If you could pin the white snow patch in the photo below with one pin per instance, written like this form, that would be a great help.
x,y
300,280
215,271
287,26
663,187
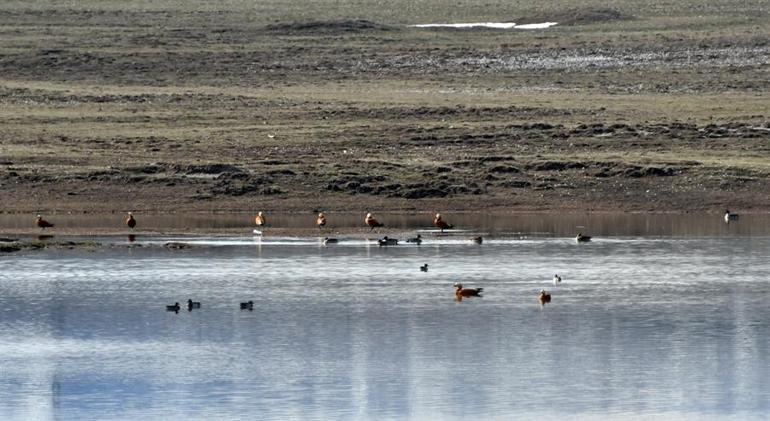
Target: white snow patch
x,y
494,25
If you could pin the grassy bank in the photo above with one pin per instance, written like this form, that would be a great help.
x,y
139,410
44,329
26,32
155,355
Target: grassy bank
x,y
190,106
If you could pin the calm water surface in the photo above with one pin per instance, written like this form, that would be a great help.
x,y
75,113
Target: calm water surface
x,y
676,327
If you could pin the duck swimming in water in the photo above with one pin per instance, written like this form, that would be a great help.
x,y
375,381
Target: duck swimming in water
x,y
477,240
174,308
730,216
544,297
328,240
580,238
415,240
192,304
556,279
424,267
467,292
385,241
248,305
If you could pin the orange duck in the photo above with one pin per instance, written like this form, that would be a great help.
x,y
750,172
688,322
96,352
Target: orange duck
x,y
440,224
42,223
260,220
467,292
371,222
544,297
321,220
130,221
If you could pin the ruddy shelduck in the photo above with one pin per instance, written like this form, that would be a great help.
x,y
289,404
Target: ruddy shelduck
x,y
260,219
544,297
440,224
371,222
130,221
321,220
42,223
467,292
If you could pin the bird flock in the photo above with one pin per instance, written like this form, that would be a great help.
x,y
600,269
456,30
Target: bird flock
x,y
260,220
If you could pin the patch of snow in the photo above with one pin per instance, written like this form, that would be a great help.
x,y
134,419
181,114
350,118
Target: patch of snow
x,y
537,25
493,25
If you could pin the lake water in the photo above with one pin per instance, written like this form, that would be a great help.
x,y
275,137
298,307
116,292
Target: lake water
x,y
641,327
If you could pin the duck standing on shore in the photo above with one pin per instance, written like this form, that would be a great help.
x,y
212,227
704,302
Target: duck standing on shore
x,y
371,222
42,223
440,224
260,219
321,221
130,221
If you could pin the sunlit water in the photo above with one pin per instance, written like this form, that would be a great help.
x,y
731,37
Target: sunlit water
x,y
677,327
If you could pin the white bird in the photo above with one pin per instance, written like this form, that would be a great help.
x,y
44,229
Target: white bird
x,y
556,279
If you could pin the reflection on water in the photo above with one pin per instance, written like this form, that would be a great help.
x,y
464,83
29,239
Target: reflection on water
x,y
638,326
614,224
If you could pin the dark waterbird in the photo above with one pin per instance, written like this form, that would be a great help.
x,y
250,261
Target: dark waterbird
x,y
424,267
248,305
174,308
192,304
415,240
580,238
385,241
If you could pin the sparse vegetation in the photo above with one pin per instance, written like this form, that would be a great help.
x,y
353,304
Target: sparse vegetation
x,y
340,105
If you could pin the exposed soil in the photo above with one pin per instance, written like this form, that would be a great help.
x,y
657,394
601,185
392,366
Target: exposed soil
x,y
354,114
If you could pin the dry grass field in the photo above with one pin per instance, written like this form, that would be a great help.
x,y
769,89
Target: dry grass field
x,y
341,105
